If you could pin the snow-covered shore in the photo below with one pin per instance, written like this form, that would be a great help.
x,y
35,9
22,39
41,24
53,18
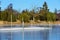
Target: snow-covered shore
x,y
25,29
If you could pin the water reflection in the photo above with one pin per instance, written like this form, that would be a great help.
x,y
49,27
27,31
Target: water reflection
x,y
5,26
36,35
11,36
53,34
28,35
5,36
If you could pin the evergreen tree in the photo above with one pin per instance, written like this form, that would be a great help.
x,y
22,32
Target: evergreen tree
x,y
44,12
0,11
55,13
10,11
45,7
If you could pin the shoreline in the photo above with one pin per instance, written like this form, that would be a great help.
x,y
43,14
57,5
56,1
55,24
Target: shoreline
x,y
26,29
2,23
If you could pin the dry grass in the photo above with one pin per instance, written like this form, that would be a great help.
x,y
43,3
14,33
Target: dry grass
x,y
31,22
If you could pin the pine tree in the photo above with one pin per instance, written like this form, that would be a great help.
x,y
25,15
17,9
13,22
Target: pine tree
x,y
55,11
44,12
10,12
0,10
45,7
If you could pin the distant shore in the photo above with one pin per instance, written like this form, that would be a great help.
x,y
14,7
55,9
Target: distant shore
x,y
28,23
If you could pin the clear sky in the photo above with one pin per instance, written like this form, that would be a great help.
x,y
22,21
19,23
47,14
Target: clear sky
x,y
29,4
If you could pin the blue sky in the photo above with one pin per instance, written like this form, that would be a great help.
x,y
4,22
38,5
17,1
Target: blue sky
x,y
30,4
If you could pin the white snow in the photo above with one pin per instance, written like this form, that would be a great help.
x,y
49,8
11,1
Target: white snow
x,y
25,29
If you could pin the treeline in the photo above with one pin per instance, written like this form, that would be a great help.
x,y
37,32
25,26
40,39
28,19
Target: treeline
x,y
41,14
